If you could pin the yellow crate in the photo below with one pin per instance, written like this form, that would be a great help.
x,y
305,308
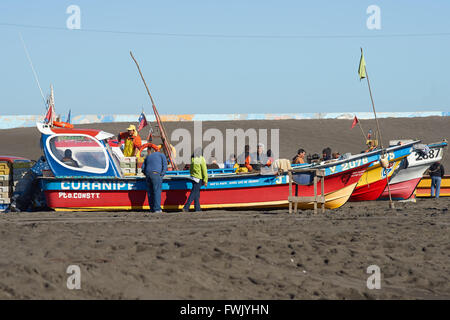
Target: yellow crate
x,y
4,165
5,171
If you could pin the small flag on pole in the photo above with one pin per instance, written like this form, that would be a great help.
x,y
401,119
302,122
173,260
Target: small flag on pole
x,y
355,121
142,121
49,116
68,116
362,67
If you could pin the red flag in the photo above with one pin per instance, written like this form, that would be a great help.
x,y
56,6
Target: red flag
x,y
355,121
49,116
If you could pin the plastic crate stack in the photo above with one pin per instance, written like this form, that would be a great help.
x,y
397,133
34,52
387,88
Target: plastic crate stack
x,y
130,166
5,185
10,175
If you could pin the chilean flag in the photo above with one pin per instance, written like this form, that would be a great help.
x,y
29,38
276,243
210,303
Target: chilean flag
x,y
142,121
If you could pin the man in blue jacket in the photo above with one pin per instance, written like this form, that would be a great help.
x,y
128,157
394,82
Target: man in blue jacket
x,y
154,169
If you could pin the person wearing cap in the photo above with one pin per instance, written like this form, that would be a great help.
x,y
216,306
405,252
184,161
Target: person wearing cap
x,y
132,141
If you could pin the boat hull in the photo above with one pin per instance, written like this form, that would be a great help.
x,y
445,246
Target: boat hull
x,y
400,190
232,192
373,182
405,181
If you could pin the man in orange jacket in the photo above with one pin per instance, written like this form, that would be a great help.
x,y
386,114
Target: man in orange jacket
x,y
132,141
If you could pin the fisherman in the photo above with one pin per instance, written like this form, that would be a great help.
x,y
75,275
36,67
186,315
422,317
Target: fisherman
x,y
326,154
370,146
231,163
336,155
132,141
68,159
199,176
436,173
299,157
213,164
260,157
269,157
154,169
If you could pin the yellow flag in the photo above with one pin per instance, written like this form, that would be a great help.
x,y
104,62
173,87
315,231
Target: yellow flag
x,y
362,67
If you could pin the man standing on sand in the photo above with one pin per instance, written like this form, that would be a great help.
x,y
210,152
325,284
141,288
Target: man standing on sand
x,y
199,176
436,173
154,169
132,141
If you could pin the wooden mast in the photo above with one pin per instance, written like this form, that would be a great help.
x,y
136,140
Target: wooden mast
x,y
164,138
383,151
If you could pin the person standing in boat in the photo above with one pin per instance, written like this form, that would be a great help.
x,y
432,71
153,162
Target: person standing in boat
x,y
154,169
436,173
326,154
300,157
132,141
199,177
258,160
231,163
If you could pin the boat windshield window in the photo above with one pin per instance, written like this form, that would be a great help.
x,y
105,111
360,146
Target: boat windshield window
x,y
80,152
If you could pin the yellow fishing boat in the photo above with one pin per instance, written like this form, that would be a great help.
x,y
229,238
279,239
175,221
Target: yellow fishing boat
x,y
424,187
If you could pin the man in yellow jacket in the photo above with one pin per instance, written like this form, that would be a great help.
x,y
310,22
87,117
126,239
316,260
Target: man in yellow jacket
x,y
132,141
199,176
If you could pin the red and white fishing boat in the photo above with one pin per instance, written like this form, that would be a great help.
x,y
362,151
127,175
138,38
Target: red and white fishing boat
x,y
405,180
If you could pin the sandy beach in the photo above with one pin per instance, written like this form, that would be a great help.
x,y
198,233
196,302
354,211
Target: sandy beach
x,y
235,254
230,254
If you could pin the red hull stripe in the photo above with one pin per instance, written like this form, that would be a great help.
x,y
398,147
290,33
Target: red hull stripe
x,y
368,192
402,190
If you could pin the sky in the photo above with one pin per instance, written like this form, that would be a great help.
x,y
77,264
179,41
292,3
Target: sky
x,y
225,56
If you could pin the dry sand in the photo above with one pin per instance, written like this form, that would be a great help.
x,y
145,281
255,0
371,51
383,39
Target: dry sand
x,y
230,254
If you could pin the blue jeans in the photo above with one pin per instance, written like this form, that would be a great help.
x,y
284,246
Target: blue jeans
x,y
154,184
194,196
435,186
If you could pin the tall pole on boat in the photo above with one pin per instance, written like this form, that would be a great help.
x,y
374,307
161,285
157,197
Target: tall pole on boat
x,y
363,74
165,140
360,126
